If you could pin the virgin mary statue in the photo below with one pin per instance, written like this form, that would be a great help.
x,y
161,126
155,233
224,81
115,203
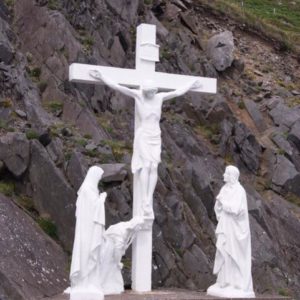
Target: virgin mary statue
x,y
90,226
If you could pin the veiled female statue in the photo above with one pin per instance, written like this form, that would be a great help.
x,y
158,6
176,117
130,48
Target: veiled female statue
x,y
90,227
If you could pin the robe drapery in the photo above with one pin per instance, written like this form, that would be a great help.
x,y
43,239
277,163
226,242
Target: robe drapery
x,y
117,239
90,222
233,255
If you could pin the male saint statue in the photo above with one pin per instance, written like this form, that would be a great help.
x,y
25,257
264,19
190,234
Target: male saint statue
x,y
233,256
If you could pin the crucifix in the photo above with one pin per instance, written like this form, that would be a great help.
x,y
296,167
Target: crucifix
x,y
149,89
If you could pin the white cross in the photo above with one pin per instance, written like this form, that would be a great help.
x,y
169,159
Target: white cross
x,y
147,53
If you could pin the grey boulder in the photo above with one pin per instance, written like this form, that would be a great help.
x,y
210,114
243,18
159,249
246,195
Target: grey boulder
x,y
14,152
220,49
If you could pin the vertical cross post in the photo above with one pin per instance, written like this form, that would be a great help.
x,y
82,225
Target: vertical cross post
x,y
146,56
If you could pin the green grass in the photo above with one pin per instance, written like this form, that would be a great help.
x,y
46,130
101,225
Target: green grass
x,y
209,132
53,4
32,134
48,227
9,3
34,73
293,198
119,148
26,202
54,106
7,188
278,19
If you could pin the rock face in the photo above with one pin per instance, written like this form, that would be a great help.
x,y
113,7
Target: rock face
x,y
32,265
220,49
52,131
14,152
52,194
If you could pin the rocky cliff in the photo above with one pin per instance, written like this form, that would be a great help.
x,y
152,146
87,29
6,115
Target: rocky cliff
x,y
51,131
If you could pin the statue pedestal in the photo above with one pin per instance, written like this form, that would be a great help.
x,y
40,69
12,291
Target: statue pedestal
x,y
174,294
228,292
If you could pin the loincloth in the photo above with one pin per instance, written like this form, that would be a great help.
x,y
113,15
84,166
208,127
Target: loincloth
x,y
146,148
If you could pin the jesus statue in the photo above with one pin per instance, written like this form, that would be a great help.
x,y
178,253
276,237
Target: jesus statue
x,y
147,140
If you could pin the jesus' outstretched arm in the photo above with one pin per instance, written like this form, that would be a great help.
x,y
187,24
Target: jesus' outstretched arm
x,y
180,91
115,86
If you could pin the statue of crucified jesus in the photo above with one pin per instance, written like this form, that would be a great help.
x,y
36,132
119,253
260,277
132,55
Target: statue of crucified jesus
x,y
147,140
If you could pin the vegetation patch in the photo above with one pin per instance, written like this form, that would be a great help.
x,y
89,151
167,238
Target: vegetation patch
x,y
284,292
126,263
86,40
105,123
6,103
54,106
293,198
294,101
27,203
9,3
81,142
279,20
119,148
212,132
48,227
53,4
7,188
241,104
32,134
34,73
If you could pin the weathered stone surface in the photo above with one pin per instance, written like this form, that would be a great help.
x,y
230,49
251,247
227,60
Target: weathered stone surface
x,y
32,265
255,115
162,31
14,152
117,54
55,150
4,12
250,149
200,273
76,169
113,172
189,21
280,140
84,120
126,10
6,53
284,171
2,166
220,49
294,135
21,113
285,116
172,11
52,194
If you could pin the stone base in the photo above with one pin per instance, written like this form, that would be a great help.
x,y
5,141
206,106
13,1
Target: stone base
x,y
169,295
228,292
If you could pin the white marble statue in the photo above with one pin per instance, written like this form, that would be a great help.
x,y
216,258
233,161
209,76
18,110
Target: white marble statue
x,y
233,255
117,239
90,227
147,140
